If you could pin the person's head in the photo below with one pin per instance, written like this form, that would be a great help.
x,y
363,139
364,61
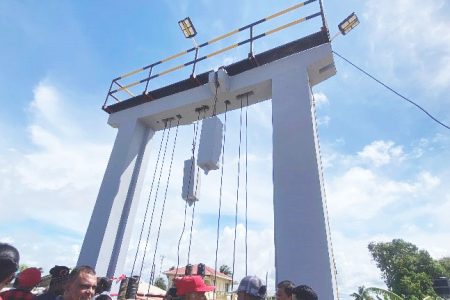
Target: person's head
x,y
284,290
28,278
103,285
9,263
103,297
251,288
304,292
59,274
192,287
81,284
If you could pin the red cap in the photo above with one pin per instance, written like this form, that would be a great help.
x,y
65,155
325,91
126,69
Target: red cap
x,y
29,277
190,284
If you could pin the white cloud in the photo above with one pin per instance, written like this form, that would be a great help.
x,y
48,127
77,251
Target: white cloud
x,y
418,31
354,264
325,121
380,201
320,99
381,153
53,185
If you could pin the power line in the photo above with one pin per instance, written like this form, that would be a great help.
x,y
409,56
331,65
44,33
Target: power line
x,y
392,90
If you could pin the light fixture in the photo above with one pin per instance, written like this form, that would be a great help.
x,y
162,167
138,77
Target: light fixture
x,y
348,24
187,27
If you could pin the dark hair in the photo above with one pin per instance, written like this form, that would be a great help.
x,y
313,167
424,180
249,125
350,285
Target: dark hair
x,y
304,292
103,297
80,269
59,271
9,260
287,285
103,285
59,277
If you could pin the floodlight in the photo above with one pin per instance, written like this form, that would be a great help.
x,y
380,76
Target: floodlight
x,y
348,24
187,27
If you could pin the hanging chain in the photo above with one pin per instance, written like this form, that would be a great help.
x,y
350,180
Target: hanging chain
x,y
216,84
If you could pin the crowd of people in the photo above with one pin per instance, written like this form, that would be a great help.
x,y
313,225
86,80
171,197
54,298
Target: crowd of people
x,y
250,288
81,283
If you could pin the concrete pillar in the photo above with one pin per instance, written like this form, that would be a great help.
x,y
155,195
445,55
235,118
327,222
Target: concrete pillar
x,y
107,238
302,247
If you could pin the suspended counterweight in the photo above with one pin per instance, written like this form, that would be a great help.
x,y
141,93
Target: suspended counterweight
x,y
210,144
191,182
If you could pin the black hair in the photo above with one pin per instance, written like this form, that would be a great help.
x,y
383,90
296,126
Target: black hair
x,y
262,291
287,285
103,297
59,277
172,292
9,260
59,271
304,292
103,285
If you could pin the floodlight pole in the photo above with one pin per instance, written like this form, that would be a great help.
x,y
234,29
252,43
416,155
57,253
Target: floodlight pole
x,y
322,13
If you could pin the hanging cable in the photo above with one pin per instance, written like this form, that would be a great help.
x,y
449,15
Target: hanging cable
x,y
319,153
237,195
220,190
246,187
194,140
195,202
148,201
394,91
196,192
190,234
164,203
179,240
156,197
154,202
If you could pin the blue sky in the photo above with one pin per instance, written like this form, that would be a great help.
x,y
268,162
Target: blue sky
x,y
386,163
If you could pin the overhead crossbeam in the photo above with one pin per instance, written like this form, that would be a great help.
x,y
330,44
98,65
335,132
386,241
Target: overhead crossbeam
x,y
126,87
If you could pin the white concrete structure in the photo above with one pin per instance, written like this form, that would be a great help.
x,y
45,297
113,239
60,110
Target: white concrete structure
x,y
302,245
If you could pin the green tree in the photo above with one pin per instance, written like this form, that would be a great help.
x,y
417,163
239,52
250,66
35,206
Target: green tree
x,y
383,294
406,270
225,269
22,267
362,294
161,283
445,263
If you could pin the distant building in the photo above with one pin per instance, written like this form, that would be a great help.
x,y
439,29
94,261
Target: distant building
x,y
223,281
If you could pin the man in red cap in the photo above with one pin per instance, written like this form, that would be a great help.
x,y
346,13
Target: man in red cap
x,y
24,283
192,287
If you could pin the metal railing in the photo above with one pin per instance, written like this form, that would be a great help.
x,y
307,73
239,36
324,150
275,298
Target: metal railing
x,y
117,86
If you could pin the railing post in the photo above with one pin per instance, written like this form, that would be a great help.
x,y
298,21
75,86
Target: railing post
x,y
251,42
195,61
148,80
107,96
